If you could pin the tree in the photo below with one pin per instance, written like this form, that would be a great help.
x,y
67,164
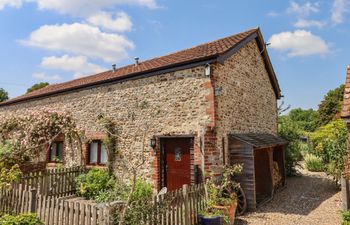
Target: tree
x,y
329,143
289,131
3,95
306,120
130,162
331,105
37,86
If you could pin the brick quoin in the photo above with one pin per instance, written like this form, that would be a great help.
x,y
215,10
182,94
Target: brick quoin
x,y
156,165
210,150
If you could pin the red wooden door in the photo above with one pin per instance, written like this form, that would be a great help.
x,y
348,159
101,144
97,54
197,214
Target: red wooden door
x,y
177,162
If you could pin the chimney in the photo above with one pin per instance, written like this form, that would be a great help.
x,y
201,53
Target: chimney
x,y
137,61
114,67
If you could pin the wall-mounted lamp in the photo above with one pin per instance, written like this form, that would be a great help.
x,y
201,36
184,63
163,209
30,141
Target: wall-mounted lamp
x,y
153,142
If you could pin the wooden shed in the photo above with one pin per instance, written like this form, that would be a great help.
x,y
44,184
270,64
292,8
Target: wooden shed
x,y
263,159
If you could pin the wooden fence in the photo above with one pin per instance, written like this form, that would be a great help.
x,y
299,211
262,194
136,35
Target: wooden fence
x,y
58,211
53,182
53,210
46,193
181,207
16,200
184,206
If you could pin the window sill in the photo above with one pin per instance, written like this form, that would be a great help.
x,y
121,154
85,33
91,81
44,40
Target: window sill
x,y
96,166
53,164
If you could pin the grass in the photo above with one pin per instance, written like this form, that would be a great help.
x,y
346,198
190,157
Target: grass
x,y
314,163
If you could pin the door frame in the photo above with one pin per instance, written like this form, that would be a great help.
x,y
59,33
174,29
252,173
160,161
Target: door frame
x,y
162,166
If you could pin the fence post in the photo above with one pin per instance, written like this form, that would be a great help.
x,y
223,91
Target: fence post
x,y
345,193
110,214
186,204
33,195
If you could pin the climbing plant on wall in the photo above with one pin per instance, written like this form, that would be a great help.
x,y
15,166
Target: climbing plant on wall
x,y
23,138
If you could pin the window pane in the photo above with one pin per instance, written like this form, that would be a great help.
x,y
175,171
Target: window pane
x,y
93,152
104,154
53,151
60,151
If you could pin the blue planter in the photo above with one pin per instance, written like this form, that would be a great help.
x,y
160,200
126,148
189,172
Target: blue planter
x,y
216,220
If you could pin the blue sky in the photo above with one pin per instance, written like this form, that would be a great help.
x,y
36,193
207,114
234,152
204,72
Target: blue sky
x,y
59,40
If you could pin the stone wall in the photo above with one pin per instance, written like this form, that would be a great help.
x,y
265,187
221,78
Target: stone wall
x,y
173,103
247,102
178,103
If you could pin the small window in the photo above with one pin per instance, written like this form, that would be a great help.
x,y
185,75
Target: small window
x,y
56,152
98,153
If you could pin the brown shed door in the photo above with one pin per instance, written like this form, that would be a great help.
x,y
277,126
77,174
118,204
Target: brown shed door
x,y
177,162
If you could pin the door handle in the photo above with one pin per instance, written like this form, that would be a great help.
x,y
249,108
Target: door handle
x,y
166,168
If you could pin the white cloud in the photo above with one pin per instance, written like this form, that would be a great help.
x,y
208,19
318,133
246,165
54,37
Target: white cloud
x,y
299,43
85,8
11,3
272,14
77,64
80,39
45,77
120,23
302,23
81,8
339,8
79,75
303,10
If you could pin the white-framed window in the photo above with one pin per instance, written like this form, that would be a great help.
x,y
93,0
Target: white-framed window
x,y
97,153
56,151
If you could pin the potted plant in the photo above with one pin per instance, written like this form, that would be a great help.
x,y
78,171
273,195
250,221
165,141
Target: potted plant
x,y
221,198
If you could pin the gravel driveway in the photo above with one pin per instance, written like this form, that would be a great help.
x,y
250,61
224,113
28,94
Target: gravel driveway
x,y
309,199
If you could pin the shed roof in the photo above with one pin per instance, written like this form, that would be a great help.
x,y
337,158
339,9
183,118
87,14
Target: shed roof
x,y
345,113
261,140
215,51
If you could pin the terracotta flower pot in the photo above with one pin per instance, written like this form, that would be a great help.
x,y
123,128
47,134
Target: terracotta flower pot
x,y
229,210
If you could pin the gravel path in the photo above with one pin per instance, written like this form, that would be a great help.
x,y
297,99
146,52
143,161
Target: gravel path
x,y
307,200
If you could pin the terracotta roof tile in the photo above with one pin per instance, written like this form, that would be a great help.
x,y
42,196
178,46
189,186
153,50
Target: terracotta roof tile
x,y
197,53
345,113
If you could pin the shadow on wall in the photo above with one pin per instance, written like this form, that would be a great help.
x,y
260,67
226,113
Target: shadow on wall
x,y
301,196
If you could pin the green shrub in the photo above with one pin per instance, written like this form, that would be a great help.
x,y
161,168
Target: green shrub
x,y
314,163
346,218
329,143
289,130
119,191
304,149
143,190
23,219
142,204
93,183
98,185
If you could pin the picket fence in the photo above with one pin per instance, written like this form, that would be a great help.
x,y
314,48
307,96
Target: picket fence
x,y
53,182
56,211
184,206
49,194
16,200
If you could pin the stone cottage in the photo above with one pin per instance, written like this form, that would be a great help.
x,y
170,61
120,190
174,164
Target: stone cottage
x,y
196,98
